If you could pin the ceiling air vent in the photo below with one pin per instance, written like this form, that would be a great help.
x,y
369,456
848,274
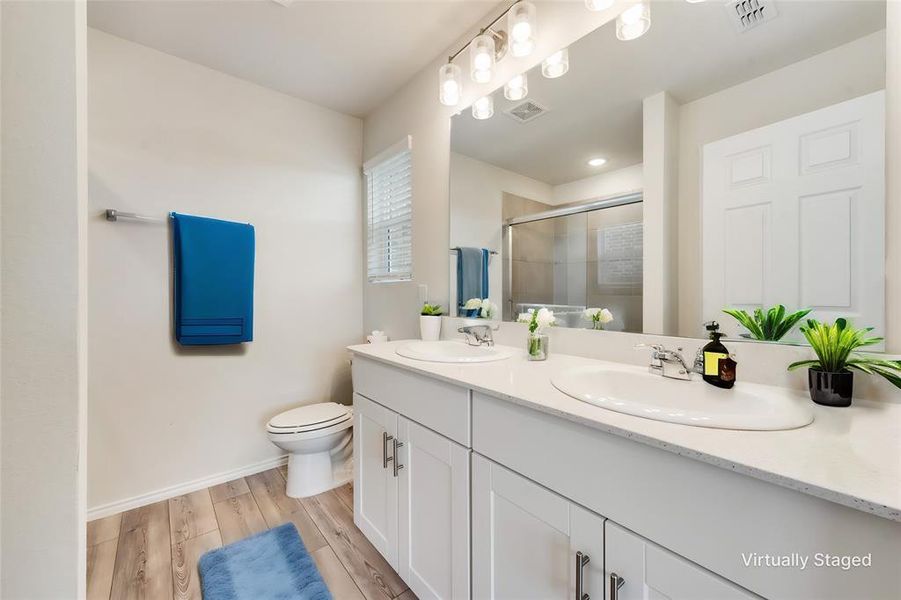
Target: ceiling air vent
x,y
525,111
748,14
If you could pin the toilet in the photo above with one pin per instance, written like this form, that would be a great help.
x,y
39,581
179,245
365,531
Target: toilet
x,y
317,438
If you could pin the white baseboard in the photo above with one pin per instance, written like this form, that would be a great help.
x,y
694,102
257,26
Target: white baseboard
x,y
112,508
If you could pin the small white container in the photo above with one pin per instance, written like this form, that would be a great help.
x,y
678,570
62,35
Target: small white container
x,y
429,328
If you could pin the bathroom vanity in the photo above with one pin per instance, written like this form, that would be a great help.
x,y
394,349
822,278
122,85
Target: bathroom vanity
x,y
485,481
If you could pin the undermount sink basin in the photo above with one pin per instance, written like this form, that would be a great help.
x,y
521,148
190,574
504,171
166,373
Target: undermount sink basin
x,y
633,391
452,352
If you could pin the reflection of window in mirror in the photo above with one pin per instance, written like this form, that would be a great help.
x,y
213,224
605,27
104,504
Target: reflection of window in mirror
x,y
745,175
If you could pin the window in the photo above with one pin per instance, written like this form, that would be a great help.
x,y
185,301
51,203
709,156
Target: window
x,y
389,200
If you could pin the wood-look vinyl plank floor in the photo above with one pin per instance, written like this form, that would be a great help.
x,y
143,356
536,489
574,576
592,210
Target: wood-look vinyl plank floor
x,y
268,489
143,566
190,516
152,552
372,573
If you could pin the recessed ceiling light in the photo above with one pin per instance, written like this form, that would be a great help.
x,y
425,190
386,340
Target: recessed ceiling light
x,y
596,162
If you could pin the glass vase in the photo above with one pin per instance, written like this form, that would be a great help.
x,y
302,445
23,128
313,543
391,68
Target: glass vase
x,y
537,346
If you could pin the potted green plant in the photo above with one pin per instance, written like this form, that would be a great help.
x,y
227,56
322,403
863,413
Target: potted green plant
x,y
430,322
769,326
830,375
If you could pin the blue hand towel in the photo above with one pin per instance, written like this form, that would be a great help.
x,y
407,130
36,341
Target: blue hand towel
x,y
472,277
213,281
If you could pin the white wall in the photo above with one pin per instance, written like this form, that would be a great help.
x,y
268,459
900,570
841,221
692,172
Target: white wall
x,y
415,110
476,195
43,309
627,179
793,90
166,134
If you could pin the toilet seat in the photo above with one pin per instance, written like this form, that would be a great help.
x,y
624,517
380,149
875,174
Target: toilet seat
x,y
316,419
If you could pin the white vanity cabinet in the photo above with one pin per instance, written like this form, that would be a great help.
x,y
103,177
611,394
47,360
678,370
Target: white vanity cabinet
x,y
638,569
528,542
411,497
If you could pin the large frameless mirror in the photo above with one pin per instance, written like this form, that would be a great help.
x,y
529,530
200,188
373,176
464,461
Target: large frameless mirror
x,y
711,169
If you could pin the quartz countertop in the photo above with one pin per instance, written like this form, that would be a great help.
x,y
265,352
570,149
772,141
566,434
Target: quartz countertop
x,y
851,456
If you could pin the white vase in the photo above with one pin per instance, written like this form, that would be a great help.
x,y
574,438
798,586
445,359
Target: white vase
x,y
429,328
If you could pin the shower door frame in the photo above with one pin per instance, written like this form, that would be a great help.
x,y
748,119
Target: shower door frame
x,y
632,197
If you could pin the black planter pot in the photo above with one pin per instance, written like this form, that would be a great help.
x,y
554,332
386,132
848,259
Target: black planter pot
x,y
831,389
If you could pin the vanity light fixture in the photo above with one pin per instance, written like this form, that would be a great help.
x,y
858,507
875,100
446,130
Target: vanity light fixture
x,y
556,65
450,84
597,162
481,58
521,28
597,5
634,22
489,47
517,88
483,108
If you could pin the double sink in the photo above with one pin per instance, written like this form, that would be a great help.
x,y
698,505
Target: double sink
x,y
635,391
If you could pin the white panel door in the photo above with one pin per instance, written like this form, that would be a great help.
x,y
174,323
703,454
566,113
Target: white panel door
x,y
525,539
375,486
649,572
794,213
434,513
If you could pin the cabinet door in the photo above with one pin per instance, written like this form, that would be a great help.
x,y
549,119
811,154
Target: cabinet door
x,y
650,572
525,539
375,486
434,513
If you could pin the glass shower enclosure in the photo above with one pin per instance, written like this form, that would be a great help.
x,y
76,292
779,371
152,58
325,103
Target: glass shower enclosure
x,y
573,257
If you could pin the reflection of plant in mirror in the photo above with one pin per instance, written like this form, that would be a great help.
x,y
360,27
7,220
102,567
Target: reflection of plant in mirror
x,y
770,326
485,307
431,310
598,317
834,346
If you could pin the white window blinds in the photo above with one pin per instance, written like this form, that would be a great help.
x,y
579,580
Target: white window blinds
x,y
389,200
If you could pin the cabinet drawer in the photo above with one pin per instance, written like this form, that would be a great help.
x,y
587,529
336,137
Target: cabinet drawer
x,y
440,406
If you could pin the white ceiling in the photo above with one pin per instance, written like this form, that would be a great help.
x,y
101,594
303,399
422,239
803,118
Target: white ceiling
x,y
345,55
691,50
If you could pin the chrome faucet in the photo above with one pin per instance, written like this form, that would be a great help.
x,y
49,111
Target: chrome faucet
x,y
477,335
668,363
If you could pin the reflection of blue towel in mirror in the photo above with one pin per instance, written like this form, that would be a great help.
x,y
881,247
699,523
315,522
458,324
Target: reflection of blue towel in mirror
x,y
213,281
472,277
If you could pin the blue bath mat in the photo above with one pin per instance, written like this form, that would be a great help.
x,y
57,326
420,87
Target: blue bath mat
x,y
273,565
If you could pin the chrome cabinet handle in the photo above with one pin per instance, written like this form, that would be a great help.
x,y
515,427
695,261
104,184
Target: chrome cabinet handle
x,y
581,561
385,458
397,465
616,582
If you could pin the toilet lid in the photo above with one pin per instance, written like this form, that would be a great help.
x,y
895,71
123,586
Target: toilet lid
x,y
312,415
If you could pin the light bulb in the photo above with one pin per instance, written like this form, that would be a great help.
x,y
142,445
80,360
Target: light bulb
x,y
450,84
598,4
517,88
483,108
556,65
634,22
521,27
481,58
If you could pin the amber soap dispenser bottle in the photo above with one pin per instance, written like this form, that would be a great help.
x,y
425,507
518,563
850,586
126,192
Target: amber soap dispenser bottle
x,y
713,352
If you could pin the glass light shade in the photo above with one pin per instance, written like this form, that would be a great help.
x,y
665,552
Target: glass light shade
x,y
483,108
521,28
599,4
634,22
517,88
481,58
450,84
556,65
